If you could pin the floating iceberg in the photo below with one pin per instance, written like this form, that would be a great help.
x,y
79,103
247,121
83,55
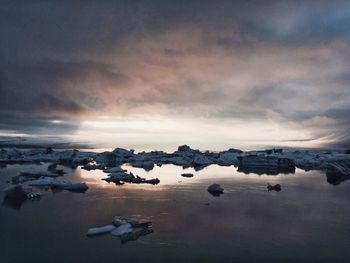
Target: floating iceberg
x,y
126,229
215,190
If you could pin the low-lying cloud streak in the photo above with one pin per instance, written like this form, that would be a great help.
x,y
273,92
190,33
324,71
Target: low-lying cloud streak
x,y
282,63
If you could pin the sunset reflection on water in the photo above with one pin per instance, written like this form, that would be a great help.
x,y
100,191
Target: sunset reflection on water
x,y
188,222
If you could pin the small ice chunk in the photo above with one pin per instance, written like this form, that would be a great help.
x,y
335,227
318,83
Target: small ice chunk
x,y
118,221
276,187
122,229
188,175
100,230
215,190
78,187
117,169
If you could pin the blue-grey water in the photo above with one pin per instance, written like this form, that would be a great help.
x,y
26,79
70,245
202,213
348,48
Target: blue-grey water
x,y
308,221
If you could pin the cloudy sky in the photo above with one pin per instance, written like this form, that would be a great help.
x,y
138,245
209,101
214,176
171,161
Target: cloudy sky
x,y
212,74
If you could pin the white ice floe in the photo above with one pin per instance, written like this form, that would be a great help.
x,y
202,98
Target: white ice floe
x,y
122,229
125,228
100,230
59,184
48,181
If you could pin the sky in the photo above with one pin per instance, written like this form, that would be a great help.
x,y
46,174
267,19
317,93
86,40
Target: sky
x,y
212,74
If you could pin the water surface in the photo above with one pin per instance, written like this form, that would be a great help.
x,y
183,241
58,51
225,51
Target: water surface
x,y
309,220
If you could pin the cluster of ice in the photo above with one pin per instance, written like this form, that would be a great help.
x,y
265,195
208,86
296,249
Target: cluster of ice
x,y
15,195
184,156
265,164
272,161
126,229
123,176
21,190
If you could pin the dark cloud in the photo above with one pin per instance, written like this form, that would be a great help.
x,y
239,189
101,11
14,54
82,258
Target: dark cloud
x,y
283,61
32,124
339,114
299,22
52,86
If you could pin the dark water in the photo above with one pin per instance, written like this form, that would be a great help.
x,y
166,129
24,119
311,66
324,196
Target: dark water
x,y
308,221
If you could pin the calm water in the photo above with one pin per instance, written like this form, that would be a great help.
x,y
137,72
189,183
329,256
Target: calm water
x,y
308,221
